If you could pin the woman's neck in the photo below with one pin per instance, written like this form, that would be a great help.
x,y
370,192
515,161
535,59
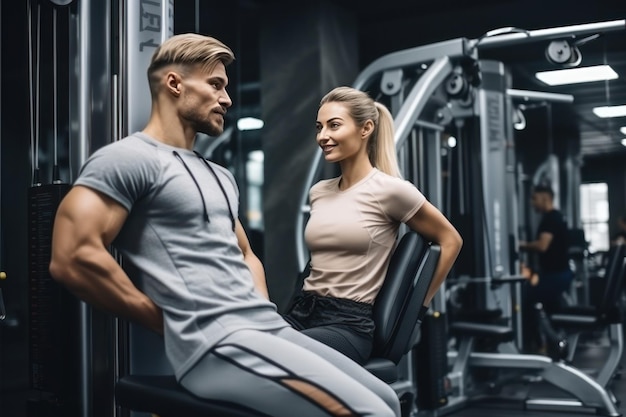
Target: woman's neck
x,y
353,173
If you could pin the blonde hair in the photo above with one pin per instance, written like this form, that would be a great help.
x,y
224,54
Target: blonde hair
x,y
188,49
381,146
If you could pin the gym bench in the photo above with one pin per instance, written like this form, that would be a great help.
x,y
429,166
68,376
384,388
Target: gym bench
x,y
588,392
606,315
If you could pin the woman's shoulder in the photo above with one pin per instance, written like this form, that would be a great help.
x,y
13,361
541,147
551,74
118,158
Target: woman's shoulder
x,y
388,182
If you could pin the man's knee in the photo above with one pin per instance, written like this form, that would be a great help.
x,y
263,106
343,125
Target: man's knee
x,y
390,397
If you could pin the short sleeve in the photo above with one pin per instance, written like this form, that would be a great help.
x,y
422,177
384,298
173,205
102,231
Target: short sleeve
x,y
123,173
400,199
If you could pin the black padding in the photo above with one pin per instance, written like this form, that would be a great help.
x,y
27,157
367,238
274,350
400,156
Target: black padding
x,y
384,369
396,310
161,394
615,275
464,328
575,321
392,296
607,311
399,301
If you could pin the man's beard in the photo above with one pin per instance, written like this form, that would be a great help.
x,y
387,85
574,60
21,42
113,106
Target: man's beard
x,y
208,128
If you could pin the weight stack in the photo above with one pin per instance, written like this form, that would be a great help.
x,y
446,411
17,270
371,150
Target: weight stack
x,y
53,315
431,359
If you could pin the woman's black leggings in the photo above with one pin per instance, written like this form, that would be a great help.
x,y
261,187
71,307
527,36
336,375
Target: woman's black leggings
x,y
345,325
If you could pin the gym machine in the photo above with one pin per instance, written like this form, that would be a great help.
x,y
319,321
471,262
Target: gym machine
x,y
76,353
428,88
478,371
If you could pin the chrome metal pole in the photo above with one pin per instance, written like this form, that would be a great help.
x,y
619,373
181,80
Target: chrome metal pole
x,y
528,95
78,155
516,38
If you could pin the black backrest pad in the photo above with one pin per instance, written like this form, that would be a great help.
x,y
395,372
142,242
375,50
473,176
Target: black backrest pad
x,y
403,292
613,277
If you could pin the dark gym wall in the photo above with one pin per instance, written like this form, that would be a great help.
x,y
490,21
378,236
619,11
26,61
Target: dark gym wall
x,y
15,179
306,51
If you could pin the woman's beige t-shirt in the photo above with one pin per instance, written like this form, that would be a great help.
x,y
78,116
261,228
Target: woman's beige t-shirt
x,y
352,233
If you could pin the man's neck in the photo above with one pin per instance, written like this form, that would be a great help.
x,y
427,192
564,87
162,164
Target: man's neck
x,y
173,134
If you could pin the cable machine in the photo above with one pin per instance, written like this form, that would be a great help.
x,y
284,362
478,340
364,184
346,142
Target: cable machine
x,y
445,84
76,353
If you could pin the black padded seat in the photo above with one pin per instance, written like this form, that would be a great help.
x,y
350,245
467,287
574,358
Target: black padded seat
x,y
575,319
398,303
608,310
163,395
482,315
493,331
383,369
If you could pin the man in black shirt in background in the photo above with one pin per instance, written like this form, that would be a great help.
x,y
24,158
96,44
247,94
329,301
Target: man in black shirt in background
x,y
555,275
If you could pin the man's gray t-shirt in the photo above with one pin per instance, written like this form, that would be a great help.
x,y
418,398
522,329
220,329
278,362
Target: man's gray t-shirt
x,y
190,266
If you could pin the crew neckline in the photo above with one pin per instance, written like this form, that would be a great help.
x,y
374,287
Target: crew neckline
x,y
149,139
355,185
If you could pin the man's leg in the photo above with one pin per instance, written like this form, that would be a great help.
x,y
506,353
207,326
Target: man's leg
x,y
356,371
273,375
553,289
530,320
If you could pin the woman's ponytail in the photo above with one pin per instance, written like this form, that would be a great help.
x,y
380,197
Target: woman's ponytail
x,y
383,153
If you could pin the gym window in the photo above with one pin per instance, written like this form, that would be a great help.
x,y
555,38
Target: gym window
x,y
594,211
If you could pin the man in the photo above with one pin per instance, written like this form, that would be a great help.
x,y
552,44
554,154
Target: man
x,y
554,275
189,272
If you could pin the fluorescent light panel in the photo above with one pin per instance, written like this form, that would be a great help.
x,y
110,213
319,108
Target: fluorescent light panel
x,y
577,75
624,141
610,111
623,129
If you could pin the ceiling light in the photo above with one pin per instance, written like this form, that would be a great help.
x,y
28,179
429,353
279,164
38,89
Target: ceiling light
x,y
610,111
249,123
623,129
624,141
577,75
451,142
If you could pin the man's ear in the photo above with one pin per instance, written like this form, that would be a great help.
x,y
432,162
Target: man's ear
x,y
172,83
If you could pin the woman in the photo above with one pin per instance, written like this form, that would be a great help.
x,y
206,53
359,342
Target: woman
x,y
354,224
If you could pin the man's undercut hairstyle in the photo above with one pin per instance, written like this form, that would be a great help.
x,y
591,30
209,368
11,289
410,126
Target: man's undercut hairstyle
x,y
544,189
188,50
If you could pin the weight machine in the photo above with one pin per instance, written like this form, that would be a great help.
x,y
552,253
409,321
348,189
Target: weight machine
x,y
432,90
